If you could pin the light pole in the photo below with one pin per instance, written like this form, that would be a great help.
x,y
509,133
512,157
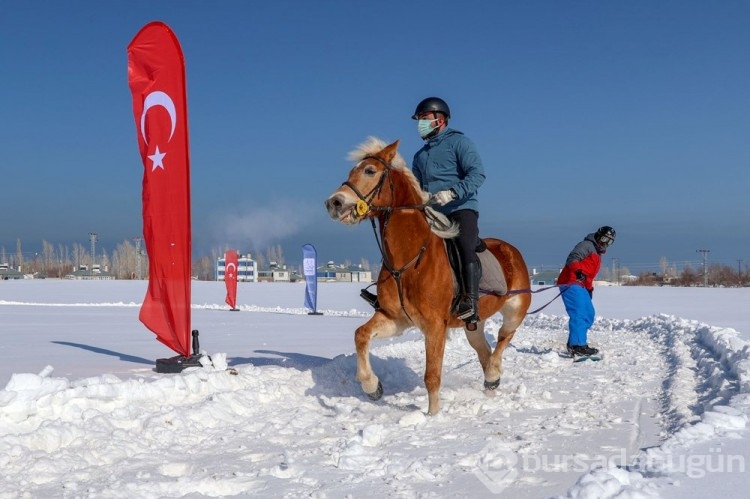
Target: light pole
x,y
92,236
705,265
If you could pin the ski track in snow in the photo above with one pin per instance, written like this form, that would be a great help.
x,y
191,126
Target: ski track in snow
x,y
309,430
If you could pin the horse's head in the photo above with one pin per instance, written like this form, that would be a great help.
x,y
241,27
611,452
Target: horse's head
x,y
371,183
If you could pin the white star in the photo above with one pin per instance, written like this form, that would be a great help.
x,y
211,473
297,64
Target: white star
x,y
158,159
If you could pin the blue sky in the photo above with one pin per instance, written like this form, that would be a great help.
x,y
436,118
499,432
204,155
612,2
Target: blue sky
x,y
632,114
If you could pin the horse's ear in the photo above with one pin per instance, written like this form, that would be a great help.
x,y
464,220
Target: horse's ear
x,y
390,151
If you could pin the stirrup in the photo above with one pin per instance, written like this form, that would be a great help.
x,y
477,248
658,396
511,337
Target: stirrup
x,y
470,309
370,298
470,320
467,315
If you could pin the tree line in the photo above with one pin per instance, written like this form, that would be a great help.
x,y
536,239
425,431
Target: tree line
x,y
126,261
130,261
715,275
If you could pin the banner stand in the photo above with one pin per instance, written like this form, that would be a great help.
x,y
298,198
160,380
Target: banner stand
x,y
309,270
178,363
230,278
156,77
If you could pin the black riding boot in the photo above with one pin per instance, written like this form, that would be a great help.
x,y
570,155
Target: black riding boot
x,y
370,298
468,311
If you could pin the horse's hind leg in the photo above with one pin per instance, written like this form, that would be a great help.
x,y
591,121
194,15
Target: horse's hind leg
x,y
479,343
512,318
379,326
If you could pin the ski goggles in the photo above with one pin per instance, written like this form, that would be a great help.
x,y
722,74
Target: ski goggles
x,y
606,240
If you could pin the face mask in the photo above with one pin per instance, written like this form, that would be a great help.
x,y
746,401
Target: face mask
x,y
425,127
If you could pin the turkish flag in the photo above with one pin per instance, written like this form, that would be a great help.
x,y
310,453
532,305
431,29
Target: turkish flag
x,y
230,277
156,74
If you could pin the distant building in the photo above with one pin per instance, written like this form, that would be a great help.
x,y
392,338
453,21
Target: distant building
x,y
95,274
274,273
544,277
339,273
8,273
247,269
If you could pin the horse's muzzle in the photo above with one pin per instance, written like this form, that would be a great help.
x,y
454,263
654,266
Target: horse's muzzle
x,y
339,208
336,205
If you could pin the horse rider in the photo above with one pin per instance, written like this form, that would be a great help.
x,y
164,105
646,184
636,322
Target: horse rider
x,y
448,166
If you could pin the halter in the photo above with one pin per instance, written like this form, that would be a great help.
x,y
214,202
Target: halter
x,y
364,206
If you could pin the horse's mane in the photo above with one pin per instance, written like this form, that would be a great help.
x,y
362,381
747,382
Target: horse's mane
x,y
439,223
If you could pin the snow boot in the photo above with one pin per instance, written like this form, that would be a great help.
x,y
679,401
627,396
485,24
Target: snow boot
x,y
581,350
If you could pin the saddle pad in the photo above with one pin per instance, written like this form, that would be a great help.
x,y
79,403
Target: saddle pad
x,y
493,278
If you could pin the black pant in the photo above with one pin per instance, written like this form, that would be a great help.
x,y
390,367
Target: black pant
x,y
468,235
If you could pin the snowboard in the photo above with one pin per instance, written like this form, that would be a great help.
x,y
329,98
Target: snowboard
x,y
583,358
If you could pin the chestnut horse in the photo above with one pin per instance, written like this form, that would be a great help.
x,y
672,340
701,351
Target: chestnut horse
x,y
416,283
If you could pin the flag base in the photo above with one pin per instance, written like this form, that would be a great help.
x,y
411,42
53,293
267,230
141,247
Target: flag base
x,y
234,309
315,313
177,364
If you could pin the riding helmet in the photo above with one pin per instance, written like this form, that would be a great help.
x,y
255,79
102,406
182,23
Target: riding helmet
x,y
432,104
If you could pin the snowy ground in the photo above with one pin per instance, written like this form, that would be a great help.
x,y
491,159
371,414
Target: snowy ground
x,y
281,415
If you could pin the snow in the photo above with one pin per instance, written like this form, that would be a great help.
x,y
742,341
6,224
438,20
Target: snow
x,y
279,413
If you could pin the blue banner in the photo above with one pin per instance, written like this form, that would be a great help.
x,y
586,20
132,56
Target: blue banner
x,y
310,270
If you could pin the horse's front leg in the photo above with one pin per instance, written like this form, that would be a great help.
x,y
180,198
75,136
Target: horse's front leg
x,y
434,339
379,326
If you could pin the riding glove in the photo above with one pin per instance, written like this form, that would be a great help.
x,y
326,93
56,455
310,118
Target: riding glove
x,y
444,197
580,276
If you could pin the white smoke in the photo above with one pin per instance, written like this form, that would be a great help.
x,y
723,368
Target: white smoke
x,y
260,227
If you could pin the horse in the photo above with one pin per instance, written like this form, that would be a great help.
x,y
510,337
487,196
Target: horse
x,y
415,287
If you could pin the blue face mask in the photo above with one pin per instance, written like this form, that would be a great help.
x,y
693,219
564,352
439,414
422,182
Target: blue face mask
x,y
425,127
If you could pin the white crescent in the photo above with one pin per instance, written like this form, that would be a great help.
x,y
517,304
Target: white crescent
x,y
231,265
158,98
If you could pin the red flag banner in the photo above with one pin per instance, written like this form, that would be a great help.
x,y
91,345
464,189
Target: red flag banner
x,y
156,74
230,277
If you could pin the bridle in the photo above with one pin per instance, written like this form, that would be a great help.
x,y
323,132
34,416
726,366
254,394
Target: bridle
x,y
364,201
365,206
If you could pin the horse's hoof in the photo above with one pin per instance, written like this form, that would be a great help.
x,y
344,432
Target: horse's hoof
x,y
491,385
379,392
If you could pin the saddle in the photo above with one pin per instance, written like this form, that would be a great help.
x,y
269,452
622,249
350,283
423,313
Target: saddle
x,y
492,279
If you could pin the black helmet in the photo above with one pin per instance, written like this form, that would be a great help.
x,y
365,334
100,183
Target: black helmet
x,y
605,235
432,104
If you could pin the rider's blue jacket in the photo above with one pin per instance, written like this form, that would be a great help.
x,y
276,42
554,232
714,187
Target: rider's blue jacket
x,y
450,161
